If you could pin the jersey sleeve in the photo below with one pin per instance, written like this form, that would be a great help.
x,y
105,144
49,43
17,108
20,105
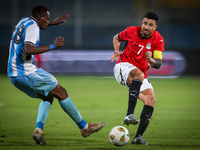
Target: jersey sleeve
x,y
32,34
123,35
159,43
158,47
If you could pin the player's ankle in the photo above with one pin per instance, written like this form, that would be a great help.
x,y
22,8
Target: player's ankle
x,y
85,128
39,130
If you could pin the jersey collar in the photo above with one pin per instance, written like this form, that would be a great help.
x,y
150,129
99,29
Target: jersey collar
x,y
33,18
140,35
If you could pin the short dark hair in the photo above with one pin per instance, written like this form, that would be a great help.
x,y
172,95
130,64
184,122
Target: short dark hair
x,y
151,15
39,11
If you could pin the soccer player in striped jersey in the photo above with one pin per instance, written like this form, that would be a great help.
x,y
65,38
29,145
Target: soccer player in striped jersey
x,y
36,82
143,49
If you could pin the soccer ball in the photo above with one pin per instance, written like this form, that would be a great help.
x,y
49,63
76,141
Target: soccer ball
x,y
119,136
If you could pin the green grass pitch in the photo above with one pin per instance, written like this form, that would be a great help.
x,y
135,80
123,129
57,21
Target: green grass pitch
x,y
175,123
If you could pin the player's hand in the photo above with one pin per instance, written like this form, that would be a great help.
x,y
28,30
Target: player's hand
x,y
115,56
148,55
58,20
58,42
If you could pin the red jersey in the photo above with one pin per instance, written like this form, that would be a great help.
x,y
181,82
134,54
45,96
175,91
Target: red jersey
x,y
136,47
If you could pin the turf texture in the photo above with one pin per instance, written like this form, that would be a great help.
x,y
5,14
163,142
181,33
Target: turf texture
x,y
175,123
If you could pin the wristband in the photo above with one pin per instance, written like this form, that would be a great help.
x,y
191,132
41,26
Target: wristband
x,y
52,47
157,63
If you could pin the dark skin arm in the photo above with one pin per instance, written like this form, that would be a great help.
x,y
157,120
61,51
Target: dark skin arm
x,y
58,42
32,50
58,20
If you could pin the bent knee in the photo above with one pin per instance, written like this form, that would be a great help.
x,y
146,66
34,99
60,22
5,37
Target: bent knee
x,y
48,98
59,92
151,101
135,74
138,74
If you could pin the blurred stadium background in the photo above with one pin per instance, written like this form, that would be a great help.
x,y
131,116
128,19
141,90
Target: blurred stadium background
x,y
93,23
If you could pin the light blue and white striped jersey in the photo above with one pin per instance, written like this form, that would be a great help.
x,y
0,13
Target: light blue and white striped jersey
x,y
26,31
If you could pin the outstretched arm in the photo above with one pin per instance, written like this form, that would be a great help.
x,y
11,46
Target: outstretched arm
x,y
32,50
116,45
58,20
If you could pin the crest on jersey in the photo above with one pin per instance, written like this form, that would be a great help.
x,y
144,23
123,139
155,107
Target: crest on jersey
x,y
148,46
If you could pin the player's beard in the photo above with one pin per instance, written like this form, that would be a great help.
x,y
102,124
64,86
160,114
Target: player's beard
x,y
146,34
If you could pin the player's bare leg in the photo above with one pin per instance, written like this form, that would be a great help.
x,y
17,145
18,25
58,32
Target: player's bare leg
x,y
147,97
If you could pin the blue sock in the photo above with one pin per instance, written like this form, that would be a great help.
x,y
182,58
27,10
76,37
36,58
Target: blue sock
x,y
43,113
81,124
73,112
39,124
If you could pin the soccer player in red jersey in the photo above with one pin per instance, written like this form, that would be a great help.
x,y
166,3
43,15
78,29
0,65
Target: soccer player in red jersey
x,y
143,49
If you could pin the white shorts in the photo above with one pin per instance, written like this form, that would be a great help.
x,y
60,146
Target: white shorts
x,y
121,72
